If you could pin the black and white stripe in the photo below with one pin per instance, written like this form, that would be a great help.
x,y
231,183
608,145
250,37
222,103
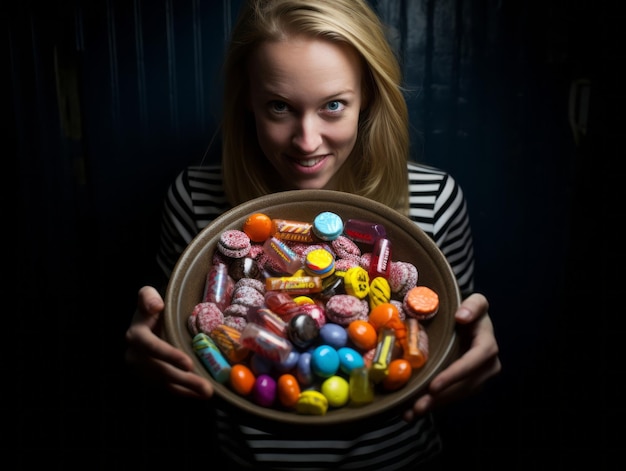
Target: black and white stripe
x,y
436,204
438,207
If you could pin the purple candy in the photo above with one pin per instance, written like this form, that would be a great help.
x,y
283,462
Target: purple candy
x,y
264,391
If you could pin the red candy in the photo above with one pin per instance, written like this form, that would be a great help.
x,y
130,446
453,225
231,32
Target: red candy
x,y
265,319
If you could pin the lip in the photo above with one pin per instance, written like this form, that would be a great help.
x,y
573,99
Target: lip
x,y
303,165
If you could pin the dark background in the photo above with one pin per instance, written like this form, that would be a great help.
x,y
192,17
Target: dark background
x,y
108,100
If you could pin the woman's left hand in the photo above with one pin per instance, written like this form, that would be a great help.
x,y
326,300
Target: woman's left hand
x,y
475,366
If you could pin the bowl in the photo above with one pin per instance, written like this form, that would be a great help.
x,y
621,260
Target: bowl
x,y
410,244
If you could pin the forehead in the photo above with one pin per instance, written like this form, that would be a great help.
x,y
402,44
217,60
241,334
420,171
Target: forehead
x,y
300,64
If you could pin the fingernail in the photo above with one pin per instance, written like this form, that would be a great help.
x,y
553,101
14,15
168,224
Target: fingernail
x,y
463,313
422,406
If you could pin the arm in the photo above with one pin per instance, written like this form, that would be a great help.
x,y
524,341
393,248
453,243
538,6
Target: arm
x,y
147,351
448,224
478,362
154,357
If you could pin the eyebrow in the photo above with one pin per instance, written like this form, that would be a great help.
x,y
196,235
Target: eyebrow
x,y
330,97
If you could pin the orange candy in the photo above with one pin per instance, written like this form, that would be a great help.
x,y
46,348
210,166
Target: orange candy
x,y
382,315
288,390
398,374
242,379
423,301
363,334
258,227
387,315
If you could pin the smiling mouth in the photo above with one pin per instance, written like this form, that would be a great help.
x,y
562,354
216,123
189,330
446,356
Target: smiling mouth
x,y
310,162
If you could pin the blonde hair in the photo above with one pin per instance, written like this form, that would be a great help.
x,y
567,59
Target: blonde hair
x,y
377,166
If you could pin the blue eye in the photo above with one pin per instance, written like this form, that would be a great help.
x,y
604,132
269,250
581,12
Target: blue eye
x,y
279,106
334,106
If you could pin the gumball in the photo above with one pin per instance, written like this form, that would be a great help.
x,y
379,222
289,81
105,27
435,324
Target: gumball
x,y
398,374
258,227
288,390
337,391
302,330
242,379
362,334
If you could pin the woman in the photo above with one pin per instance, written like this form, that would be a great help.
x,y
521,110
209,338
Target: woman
x,y
312,99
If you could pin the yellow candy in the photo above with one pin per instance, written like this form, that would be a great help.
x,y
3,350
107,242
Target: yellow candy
x,y
312,403
336,390
357,282
300,300
320,262
380,291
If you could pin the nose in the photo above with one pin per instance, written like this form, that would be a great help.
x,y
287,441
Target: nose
x,y
307,136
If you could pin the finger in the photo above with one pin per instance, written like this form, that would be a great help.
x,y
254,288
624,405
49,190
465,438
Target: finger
x,y
483,351
472,308
185,382
153,346
149,301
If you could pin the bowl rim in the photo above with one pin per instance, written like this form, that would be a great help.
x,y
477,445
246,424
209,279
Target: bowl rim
x,y
175,331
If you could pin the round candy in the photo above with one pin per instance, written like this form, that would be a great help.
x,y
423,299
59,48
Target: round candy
x,y
357,282
244,267
302,330
312,402
234,243
337,391
349,359
380,291
398,374
362,334
303,369
314,311
288,390
421,302
320,262
242,379
303,300
264,391
327,225
383,314
334,335
325,361
289,363
258,227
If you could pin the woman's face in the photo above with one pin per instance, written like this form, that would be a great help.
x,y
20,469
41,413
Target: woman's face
x,y
306,97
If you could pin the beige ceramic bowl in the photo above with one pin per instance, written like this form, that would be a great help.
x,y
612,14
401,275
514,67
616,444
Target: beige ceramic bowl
x,y
410,244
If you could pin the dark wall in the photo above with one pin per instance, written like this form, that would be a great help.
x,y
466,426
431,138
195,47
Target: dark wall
x,y
108,100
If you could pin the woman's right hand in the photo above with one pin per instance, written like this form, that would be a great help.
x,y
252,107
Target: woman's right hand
x,y
156,358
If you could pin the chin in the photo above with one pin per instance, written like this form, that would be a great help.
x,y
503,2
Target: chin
x,y
312,185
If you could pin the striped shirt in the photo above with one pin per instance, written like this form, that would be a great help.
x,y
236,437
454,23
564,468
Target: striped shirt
x,y
438,207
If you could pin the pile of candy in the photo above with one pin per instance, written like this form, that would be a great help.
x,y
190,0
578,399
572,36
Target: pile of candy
x,y
304,316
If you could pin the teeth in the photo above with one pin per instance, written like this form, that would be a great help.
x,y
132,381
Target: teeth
x,y
310,162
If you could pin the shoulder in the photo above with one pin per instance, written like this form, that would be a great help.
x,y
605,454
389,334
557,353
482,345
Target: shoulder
x,y
421,175
201,173
418,172
198,179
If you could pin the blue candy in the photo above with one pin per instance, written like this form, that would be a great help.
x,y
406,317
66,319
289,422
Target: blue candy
x,y
334,335
325,361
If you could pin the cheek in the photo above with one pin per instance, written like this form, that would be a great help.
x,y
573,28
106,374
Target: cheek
x,y
271,136
343,135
